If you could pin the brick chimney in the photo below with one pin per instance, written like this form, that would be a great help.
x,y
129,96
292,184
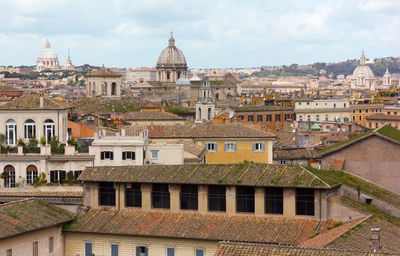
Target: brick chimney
x,y
376,239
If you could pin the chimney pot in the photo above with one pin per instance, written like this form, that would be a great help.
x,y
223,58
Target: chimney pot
x,y
376,239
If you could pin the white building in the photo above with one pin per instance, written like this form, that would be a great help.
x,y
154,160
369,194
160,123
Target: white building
x,y
336,110
47,59
121,150
205,105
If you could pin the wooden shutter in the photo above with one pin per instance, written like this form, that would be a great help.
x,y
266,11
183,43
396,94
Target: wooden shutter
x,y
225,146
170,252
111,155
88,249
102,155
254,146
263,146
123,155
234,146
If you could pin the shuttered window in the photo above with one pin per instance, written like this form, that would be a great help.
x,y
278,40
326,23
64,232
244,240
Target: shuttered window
x,y
88,249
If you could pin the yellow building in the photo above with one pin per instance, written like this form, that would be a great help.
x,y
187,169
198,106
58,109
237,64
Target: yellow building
x,y
360,112
224,143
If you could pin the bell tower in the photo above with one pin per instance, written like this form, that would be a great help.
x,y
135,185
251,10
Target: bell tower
x,y
205,105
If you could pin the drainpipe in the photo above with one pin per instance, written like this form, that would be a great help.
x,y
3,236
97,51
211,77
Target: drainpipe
x,y
320,206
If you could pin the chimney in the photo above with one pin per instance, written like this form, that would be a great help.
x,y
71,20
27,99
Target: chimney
x,y
123,132
41,101
376,239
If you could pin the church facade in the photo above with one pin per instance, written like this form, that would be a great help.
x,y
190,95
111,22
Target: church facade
x,y
363,77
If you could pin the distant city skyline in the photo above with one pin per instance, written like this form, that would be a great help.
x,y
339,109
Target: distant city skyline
x,y
210,34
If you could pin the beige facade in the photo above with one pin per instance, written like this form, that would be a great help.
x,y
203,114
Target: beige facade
x,y
75,243
337,110
103,83
48,123
91,198
23,244
140,75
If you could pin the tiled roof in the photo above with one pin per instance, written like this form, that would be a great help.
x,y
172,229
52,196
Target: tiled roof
x,y
246,249
198,226
234,130
38,193
6,88
383,117
359,237
32,102
261,108
103,72
297,153
151,115
192,148
246,174
29,215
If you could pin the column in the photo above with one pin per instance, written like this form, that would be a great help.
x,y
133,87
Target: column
x,y
289,202
230,199
203,199
146,196
122,187
259,201
175,200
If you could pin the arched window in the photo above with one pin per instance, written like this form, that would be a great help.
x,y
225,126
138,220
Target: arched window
x,y
199,113
9,182
209,114
49,129
29,129
31,174
113,89
178,75
11,132
168,75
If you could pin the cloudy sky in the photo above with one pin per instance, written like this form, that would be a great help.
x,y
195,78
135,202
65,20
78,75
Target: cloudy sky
x,y
211,33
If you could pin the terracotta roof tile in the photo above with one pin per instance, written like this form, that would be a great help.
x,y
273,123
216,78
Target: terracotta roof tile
x,y
246,174
246,249
32,102
29,215
198,226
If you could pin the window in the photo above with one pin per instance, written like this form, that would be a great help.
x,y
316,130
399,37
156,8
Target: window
x,y
245,199
160,196
354,118
287,117
107,155
258,146
49,129
88,249
278,118
128,155
241,117
317,118
259,118
326,118
217,198
308,118
366,111
211,146
106,194
51,244
230,147
57,175
31,174
388,113
29,129
250,118
170,251
189,197
360,111
268,118
199,252
35,249
9,182
154,154
274,200
9,252
304,201
114,249
11,132
360,118
142,251
133,195
300,118
334,105
344,105
77,173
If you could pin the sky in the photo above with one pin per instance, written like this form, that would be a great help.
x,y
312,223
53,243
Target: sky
x,y
211,33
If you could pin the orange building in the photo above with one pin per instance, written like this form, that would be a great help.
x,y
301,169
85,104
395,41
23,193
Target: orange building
x,y
79,130
360,112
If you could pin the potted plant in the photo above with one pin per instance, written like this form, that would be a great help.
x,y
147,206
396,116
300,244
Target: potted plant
x,y
43,140
21,142
70,177
56,182
65,181
5,175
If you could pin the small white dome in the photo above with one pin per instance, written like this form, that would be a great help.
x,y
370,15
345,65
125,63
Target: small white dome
x,y
47,52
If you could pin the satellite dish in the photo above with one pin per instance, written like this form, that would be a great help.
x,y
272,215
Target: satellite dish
x,y
231,113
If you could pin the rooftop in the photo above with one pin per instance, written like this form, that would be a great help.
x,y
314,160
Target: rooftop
x,y
32,102
384,117
233,130
152,116
244,174
103,72
198,226
245,249
29,215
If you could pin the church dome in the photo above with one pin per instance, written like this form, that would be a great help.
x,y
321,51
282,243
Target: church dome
x,y
47,52
363,71
171,55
